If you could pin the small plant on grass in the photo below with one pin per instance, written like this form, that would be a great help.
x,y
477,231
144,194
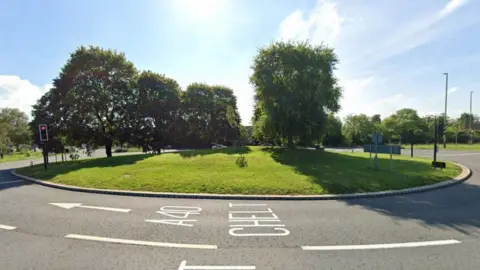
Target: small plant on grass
x,y
241,161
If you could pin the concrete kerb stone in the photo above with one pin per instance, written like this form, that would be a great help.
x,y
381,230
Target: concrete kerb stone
x,y
463,176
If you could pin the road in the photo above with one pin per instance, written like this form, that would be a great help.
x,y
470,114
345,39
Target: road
x,y
433,230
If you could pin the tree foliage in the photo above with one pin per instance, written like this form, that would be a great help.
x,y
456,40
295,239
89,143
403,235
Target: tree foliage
x,y
14,130
99,98
358,129
295,89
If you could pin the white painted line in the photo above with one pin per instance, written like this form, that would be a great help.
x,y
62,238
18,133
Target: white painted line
x,y
10,182
137,242
73,205
106,208
184,266
6,227
384,246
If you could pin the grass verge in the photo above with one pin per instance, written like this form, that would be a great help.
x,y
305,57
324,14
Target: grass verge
x,y
269,171
21,156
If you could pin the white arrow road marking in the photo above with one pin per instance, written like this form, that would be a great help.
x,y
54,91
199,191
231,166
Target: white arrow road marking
x,y
72,205
6,227
384,246
137,242
184,266
10,182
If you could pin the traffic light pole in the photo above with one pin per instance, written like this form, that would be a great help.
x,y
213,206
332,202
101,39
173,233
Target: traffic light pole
x,y
45,156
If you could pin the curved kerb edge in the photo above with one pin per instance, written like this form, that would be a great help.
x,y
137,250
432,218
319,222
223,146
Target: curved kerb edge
x,y
463,176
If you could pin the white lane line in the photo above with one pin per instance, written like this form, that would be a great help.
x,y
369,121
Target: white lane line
x,y
384,246
6,227
184,266
10,182
138,242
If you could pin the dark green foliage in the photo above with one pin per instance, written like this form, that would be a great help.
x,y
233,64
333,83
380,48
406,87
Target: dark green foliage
x,y
295,89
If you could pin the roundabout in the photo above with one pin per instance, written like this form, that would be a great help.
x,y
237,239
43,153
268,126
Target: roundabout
x,y
46,228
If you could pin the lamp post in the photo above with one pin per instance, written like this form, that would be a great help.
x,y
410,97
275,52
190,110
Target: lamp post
x,y
445,116
471,115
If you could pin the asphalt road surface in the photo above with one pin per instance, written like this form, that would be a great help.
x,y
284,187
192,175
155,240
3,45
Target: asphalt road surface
x,y
44,228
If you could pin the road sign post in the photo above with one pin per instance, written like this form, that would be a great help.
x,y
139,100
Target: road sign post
x,y
376,138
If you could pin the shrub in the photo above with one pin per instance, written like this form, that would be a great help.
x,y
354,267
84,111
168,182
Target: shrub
x,y
74,156
241,161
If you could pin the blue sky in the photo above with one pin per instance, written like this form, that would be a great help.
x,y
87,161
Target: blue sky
x,y
393,53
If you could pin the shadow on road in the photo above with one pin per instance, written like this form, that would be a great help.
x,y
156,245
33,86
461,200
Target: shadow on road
x,y
7,180
203,152
456,207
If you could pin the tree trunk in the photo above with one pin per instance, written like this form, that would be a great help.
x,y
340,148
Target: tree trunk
x,y
108,148
290,142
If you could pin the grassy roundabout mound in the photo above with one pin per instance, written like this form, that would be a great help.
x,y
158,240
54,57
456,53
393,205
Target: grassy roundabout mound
x,y
273,171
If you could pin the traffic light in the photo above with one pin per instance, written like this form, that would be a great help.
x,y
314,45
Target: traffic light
x,y
43,132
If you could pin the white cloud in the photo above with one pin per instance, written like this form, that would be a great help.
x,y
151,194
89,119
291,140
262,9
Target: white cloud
x,y
452,90
18,93
322,25
452,6
422,30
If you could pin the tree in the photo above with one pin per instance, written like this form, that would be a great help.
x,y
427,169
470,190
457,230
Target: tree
x,y
93,95
333,131
210,114
358,129
376,119
402,122
159,110
294,91
14,124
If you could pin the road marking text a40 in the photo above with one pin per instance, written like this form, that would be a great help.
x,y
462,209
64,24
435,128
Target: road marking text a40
x,y
179,213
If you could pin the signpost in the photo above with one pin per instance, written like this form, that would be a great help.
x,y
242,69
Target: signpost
x,y
43,133
377,138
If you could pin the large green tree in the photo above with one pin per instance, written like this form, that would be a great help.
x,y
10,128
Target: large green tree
x,y
404,121
210,114
358,129
93,95
333,131
158,109
295,89
14,125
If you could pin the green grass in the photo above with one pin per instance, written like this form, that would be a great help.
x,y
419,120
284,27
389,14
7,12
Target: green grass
x,y
20,156
450,146
269,171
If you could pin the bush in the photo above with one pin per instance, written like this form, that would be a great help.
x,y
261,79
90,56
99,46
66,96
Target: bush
x,y
241,161
74,156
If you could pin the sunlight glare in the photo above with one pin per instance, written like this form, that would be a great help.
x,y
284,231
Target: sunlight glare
x,y
201,9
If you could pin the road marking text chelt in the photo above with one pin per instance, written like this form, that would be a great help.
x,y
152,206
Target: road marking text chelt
x,y
254,220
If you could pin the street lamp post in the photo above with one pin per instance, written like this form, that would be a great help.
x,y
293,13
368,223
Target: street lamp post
x,y
471,115
445,116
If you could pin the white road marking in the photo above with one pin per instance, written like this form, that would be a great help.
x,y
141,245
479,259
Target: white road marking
x,y
256,221
246,204
10,182
179,222
137,242
384,246
6,227
453,155
72,205
284,232
184,266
